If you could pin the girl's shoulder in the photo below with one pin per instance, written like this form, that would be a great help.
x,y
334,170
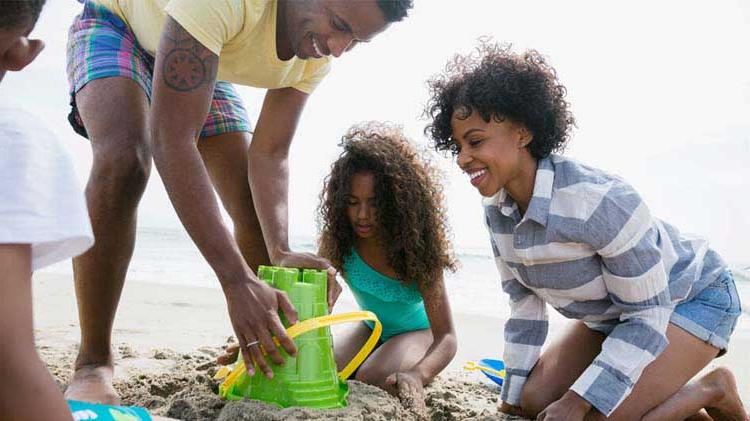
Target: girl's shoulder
x,y
362,277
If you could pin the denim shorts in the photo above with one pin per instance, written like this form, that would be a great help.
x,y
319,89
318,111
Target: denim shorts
x,y
101,45
712,314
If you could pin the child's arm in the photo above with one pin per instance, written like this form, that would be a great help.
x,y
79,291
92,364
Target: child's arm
x,y
443,347
27,391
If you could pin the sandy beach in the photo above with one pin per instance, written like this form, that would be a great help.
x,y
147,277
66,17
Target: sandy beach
x,y
168,336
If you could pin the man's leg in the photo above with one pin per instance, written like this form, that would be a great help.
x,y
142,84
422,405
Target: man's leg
x,y
225,156
114,111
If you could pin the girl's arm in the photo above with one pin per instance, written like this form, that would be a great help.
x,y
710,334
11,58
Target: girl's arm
x,y
443,347
27,390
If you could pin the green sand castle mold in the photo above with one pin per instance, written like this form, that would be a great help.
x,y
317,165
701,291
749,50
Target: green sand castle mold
x,y
309,379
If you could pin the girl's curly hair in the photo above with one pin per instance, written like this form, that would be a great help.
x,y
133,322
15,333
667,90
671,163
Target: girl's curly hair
x,y
497,83
411,218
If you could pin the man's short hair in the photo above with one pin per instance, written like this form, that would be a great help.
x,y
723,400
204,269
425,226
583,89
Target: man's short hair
x,y
395,10
14,13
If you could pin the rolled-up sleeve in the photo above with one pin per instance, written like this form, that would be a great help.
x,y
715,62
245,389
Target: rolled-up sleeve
x,y
525,333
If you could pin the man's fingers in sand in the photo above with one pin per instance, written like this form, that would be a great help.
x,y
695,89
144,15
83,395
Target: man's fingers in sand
x,y
289,311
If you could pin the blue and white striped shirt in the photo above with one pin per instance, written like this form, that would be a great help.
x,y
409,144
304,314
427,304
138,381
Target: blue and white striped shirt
x,y
588,246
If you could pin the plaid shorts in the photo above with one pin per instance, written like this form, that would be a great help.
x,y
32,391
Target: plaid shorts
x,y
101,45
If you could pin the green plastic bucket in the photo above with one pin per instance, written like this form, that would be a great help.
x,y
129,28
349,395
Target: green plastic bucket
x,y
310,379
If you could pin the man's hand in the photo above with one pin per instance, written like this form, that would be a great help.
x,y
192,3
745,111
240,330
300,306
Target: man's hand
x,y
570,407
313,261
253,309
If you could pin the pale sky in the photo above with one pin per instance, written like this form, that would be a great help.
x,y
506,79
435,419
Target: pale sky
x,y
660,90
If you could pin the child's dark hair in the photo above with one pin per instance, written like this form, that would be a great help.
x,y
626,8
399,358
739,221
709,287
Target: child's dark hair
x,y
497,83
411,218
15,13
395,10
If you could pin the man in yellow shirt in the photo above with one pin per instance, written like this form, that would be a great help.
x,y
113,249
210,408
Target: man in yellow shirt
x,y
152,78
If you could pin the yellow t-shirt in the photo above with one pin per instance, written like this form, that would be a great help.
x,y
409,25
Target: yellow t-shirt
x,y
241,32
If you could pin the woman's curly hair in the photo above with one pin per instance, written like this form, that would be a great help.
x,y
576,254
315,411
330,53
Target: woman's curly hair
x,y
411,218
500,84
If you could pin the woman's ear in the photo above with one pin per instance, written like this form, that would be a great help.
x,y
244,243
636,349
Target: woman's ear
x,y
524,136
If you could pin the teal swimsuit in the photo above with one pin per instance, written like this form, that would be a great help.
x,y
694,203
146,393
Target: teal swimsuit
x,y
399,307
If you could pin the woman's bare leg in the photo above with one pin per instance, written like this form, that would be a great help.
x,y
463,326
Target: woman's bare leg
x,y
559,367
666,376
716,392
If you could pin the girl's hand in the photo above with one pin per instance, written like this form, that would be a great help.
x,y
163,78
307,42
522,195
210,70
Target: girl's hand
x,y
571,407
407,386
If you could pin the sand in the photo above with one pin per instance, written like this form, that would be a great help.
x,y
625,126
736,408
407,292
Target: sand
x,y
168,337
181,385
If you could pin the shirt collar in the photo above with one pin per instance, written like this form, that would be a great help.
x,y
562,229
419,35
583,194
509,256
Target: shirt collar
x,y
540,200
501,200
541,197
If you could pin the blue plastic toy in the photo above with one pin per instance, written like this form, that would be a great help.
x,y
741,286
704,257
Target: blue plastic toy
x,y
493,369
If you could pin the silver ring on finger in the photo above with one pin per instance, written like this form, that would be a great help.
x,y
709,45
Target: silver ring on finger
x,y
252,343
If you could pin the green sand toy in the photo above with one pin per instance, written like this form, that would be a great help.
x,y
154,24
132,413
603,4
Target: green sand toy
x,y
309,379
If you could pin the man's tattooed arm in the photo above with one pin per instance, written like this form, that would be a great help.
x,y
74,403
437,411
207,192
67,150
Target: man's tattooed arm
x,y
186,64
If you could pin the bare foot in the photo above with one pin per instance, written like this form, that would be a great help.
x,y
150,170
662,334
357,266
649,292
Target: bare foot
x,y
93,383
727,405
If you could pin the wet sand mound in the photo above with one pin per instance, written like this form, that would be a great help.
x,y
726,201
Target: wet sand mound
x,y
181,386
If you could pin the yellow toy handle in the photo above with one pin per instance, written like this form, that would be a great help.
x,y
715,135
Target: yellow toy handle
x,y
473,366
316,323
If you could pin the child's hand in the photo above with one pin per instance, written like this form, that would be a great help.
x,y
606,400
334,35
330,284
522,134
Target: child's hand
x,y
408,388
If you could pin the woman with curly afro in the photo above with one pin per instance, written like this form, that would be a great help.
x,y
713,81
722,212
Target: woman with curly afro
x,y
652,307
383,226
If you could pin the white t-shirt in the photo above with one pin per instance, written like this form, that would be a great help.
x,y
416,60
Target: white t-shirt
x,y
41,201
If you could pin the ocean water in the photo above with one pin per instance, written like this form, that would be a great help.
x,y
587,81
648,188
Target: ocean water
x,y
168,256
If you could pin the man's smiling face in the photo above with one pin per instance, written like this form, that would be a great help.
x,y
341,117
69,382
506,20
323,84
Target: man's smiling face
x,y
318,28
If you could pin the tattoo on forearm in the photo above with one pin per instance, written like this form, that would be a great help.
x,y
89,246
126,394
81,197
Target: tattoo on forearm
x,y
187,63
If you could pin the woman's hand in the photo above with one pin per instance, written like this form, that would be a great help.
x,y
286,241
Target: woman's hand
x,y
407,386
313,261
509,409
571,407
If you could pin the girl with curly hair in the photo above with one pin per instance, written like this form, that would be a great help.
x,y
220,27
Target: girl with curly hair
x,y
383,226
652,307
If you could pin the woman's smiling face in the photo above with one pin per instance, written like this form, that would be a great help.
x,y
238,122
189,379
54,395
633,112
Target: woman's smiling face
x,y
490,153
